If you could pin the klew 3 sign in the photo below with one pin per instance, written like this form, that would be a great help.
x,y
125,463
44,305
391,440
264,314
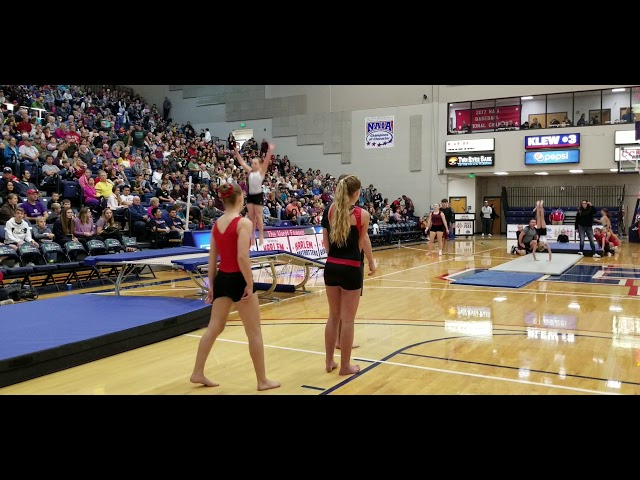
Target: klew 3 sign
x,y
552,141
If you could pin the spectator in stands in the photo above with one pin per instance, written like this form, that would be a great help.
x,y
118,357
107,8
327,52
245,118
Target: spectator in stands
x,y
345,235
64,226
12,156
33,207
89,194
582,121
84,227
233,283
408,205
563,237
54,212
9,207
139,217
41,232
17,231
175,224
557,216
629,116
106,227
535,123
166,109
25,184
104,187
584,226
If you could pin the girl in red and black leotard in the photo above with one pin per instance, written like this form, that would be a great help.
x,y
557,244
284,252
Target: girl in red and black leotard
x,y
344,232
232,282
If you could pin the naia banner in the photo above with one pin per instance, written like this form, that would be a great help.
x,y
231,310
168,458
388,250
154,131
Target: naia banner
x,y
379,132
489,118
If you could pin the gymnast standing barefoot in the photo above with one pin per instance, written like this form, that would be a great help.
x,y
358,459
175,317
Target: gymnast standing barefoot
x,y
344,233
232,282
541,230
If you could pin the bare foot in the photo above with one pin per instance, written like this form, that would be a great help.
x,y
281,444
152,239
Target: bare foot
x,y
355,345
203,380
331,367
541,203
428,253
267,385
350,370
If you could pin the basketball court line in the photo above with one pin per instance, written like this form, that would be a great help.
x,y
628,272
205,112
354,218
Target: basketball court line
x,y
420,367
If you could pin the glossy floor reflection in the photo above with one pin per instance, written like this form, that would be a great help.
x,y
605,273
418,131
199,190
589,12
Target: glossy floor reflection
x,y
419,334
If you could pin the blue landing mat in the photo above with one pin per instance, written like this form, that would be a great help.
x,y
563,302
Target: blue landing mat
x,y
572,247
40,325
494,278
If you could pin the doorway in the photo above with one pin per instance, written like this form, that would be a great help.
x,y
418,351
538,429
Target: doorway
x,y
242,135
496,226
458,204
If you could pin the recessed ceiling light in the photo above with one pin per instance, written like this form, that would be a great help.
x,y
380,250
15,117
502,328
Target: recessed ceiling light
x,y
526,98
616,90
503,173
542,173
613,169
576,171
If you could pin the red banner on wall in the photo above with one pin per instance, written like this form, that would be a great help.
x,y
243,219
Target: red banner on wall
x,y
489,118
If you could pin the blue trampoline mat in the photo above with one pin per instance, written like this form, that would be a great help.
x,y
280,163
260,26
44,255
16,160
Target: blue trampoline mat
x,y
495,278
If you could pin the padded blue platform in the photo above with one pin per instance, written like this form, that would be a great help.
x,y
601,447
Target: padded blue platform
x,y
495,278
574,248
44,336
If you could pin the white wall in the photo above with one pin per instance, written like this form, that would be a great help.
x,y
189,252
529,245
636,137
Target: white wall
x,y
388,169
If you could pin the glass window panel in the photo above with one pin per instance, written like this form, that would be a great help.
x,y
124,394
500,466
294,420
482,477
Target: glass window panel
x,y
460,117
508,114
588,106
617,105
483,116
559,110
534,111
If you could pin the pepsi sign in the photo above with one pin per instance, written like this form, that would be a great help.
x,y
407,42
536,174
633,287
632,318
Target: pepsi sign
x,y
552,141
552,157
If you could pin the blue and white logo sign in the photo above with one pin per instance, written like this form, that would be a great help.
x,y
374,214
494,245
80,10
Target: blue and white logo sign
x,y
552,157
552,141
379,132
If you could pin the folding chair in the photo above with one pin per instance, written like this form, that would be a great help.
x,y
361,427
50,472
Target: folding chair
x,y
96,247
75,251
11,256
53,252
113,245
30,255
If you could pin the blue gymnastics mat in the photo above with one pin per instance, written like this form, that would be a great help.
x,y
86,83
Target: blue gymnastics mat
x,y
495,278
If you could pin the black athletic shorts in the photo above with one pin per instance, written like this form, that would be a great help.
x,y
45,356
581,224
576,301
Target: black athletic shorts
x,y
255,198
230,285
345,276
542,232
437,228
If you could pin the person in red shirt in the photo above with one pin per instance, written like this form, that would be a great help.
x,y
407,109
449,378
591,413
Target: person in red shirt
x,y
603,238
556,216
24,125
231,282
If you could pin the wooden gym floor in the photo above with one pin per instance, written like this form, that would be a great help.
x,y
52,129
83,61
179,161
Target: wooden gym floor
x,y
418,333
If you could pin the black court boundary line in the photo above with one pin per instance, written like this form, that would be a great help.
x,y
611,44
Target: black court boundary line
x,y
402,352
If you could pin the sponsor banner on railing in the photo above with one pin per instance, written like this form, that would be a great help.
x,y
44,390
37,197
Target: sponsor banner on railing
x,y
552,232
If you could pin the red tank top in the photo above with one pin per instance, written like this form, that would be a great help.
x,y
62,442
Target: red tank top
x,y
227,245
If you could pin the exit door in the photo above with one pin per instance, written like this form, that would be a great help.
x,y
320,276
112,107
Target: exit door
x,y
497,209
458,204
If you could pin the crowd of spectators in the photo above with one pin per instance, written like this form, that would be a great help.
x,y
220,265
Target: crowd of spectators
x,y
129,156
